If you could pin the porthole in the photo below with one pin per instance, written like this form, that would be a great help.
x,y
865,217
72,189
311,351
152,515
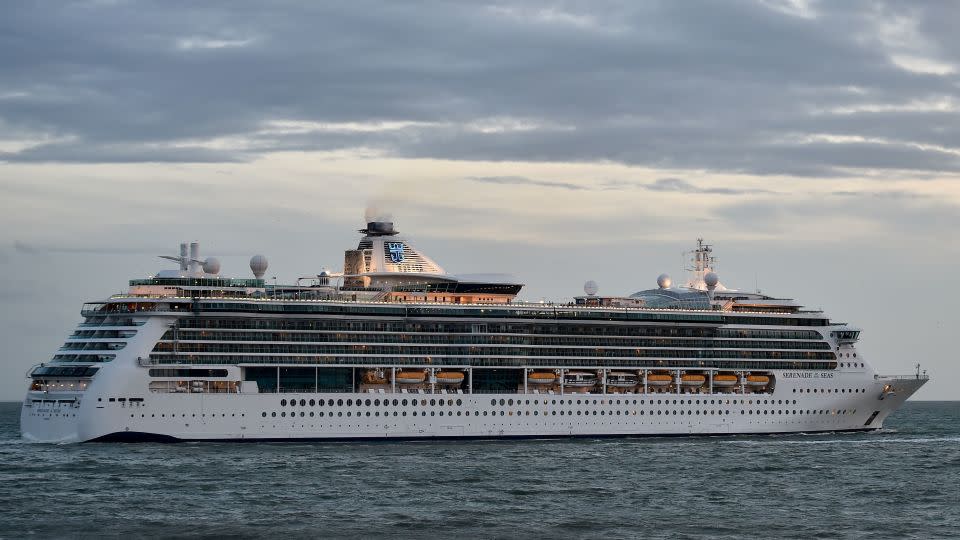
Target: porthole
x,y
312,403
376,403
273,414
349,402
303,403
283,403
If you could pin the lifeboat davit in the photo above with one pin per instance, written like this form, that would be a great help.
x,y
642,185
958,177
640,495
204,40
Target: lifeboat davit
x,y
757,381
659,379
541,377
374,376
449,377
689,379
622,379
580,379
724,381
410,377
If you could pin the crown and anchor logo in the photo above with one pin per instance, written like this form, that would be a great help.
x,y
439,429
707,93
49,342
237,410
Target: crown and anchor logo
x,y
395,249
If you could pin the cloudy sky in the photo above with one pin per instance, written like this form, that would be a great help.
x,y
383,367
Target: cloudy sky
x,y
817,145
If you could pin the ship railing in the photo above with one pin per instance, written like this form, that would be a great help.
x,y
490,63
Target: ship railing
x,y
914,377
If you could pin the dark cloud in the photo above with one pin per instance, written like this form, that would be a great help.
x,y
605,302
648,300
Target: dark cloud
x,y
523,181
29,248
682,186
890,195
733,86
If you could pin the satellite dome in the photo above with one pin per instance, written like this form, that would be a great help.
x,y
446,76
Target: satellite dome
x,y
258,265
664,281
211,265
591,287
323,273
711,280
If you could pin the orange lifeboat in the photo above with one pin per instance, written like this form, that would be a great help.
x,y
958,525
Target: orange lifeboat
x,y
724,381
659,380
757,381
449,377
542,377
410,377
692,380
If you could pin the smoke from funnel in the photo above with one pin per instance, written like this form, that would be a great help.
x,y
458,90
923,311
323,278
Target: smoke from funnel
x,y
376,212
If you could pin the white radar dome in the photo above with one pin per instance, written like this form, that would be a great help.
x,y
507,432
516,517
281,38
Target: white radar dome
x,y
711,280
211,265
591,287
258,265
664,281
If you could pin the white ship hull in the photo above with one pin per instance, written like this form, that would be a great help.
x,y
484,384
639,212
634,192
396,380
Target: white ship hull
x,y
239,417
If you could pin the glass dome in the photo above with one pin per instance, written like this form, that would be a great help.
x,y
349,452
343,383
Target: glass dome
x,y
673,298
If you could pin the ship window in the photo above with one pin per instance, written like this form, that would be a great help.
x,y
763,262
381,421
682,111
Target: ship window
x,y
312,402
264,414
303,402
367,403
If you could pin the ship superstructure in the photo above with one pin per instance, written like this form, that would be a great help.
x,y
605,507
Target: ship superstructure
x,y
394,347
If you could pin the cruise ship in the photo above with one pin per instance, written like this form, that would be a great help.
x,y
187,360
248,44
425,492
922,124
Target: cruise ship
x,y
393,347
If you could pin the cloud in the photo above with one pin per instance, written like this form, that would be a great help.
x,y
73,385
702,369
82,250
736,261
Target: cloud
x,y
523,181
189,43
29,248
677,185
889,195
734,87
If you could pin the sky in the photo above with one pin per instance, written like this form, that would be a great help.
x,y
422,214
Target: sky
x,y
816,145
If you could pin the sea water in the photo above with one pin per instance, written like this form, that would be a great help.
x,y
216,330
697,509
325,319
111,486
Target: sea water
x,y
902,481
